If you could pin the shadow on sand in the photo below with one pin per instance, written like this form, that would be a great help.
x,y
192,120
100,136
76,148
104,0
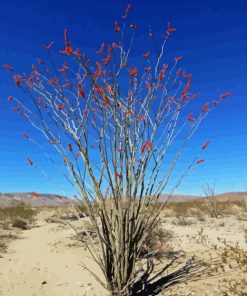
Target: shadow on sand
x,y
191,270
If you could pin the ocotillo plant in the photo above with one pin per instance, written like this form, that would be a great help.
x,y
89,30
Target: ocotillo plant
x,y
211,200
113,123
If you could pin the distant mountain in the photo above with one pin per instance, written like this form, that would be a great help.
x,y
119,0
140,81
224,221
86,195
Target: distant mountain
x,y
46,200
233,196
11,199
177,198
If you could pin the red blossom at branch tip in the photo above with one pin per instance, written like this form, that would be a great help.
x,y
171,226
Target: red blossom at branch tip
x,y
116,27
40,61
133,71
25,135
178,59
190,117
216,103
29,160
17,80
77,52
17,108
225,95
146,55
60,107
101,48
205,145
98,72
117,175
70,147
146,146
68,84
68,49
128,9
8,67
179,72
205,107
200,161
140,119
107,60
81,90
188,76
48,46
170,29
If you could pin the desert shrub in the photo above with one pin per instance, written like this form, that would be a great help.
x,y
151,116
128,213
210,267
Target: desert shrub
x,y
3,246
184,209
231,256
21,223
4,239
182,221
82,209
155,244
231,287
231,208
221,224
86,232
20,210
211,201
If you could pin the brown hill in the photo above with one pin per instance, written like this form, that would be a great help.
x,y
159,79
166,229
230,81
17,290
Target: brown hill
x,y
45,200
11,199
233,196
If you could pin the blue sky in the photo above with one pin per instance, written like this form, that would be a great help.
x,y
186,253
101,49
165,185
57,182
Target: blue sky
x,y
211,37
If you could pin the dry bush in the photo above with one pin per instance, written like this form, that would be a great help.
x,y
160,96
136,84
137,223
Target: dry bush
x,y
231,256
233,208
198,213
86,231
211,201
4,239
188,208
182,221
155,244
3,246
168,213
20,210
222,224
21,223
231,287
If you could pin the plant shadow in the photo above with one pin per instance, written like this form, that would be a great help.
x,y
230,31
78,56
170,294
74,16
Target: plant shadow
x,y
191,270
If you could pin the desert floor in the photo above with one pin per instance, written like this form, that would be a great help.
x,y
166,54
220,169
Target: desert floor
x,y
47,259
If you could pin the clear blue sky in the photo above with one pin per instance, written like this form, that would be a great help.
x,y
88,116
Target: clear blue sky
x,y
211,37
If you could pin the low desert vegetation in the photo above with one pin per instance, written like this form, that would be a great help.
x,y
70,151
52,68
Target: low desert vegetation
x,y
231,262
19,215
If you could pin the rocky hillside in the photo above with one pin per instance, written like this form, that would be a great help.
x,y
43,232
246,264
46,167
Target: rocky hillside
x,y
32,198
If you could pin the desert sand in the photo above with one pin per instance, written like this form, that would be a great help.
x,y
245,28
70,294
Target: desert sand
x,y
44,255
47,259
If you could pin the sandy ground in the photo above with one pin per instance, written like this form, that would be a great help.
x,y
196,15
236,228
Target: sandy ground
x,y
46,261
42,255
